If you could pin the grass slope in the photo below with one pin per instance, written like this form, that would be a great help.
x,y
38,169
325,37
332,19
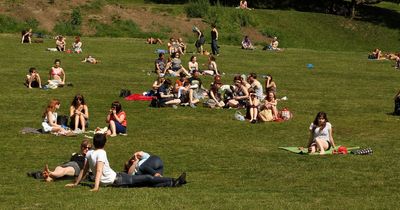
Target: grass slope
x,y
230,164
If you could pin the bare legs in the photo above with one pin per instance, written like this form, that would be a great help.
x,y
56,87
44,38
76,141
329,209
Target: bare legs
x,y
57,173
318,145
112,131
80,119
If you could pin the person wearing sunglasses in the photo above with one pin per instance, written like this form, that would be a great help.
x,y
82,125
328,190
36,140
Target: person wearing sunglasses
x,y
71,168
79,114
116,120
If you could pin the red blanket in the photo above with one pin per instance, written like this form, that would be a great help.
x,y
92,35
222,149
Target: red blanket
x,y
138,97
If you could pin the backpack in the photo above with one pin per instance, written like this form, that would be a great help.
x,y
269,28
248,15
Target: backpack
x,y
154,102
124,93
62,120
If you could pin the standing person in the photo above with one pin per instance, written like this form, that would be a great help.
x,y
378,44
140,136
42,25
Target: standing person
x,y
321,138
77,45
57,74
26,36
214,40
116,120
33,78
70,168
78,113
98,162
142,163
49,123
200,40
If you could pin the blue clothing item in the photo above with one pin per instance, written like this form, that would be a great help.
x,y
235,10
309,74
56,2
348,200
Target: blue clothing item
x,y
152,165
119,128
214,47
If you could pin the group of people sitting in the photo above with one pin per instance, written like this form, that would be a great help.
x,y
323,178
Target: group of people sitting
x,y
79,118
61,44
56,77
176,46
141,170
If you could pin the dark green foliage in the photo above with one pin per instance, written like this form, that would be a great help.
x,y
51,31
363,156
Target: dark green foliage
x,y
76,17
197,8
122,28
66,28
8,24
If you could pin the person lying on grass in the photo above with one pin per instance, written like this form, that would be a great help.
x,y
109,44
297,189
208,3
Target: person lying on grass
x,y
142,163
321,138
97,161
70,168
152,40
90,60
376,54
116,120
33,79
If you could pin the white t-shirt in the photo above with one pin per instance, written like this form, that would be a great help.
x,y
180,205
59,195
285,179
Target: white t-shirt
x,y
258,89
100,155
324,133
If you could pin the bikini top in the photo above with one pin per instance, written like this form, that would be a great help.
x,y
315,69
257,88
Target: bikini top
x,y
56,71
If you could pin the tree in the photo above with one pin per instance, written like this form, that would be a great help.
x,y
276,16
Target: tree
x,y
354,3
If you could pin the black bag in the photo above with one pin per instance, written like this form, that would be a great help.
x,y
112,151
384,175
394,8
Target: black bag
x,y
124,93
397,106
62,120
154,102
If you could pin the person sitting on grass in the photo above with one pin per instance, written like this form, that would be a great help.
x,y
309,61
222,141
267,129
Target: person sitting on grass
x,y
26,36
212,67
33,79
71,168
142,163
173,46
176,67
49,123
216,98
179,82
273,45
79,114
60,43
90,60
182,46
240,94
243,5
397,104
271,103
256,85
199,91
77,45
165,96
57,74
185,95
156,84
321,138
269,84
246,44
152,40
116,120
193,65
160,64
253,106
376,54
97,162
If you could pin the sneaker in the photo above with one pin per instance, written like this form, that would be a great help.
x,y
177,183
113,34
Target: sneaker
x,y
193,106
174,106
181,180
253,121
35,174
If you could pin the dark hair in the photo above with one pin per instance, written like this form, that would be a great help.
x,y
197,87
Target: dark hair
x,y
213,25
212,58
268,75
160,54
319,115
57,60
254,75
99,140
32,69
191,58
75,100
117,105
167,82
267,96
85,143
237,77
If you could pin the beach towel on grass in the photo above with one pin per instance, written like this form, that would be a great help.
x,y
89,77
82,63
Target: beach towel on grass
x,y
138,97
304,151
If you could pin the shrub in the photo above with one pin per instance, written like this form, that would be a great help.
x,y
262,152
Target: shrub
x,y
66,28
197,8
8,24
76,17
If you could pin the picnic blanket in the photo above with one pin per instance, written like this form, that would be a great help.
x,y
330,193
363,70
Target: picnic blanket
x,y
304,151
138,97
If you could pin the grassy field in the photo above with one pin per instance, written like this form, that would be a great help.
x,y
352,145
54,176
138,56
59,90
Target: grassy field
x,y
230,164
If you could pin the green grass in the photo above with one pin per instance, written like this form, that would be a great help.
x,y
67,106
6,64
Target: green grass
x,y
230,164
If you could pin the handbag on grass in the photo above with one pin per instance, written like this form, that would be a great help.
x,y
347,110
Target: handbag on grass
x,y
265,115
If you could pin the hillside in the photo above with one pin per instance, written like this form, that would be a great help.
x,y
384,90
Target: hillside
x,y
136,19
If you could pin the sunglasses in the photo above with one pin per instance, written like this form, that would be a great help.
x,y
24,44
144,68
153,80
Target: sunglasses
x,y
86,147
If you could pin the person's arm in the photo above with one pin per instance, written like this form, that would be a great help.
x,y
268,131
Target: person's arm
x,y
216,33
71,111
109,116
22,39
163,95
120,119
215,68
213,96
51,70
51,120
86,114
82,174
331,137
99,172
133,166
63,74
311,138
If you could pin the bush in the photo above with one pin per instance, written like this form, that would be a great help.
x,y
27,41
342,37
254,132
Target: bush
x,y
197,8
66,28
122,28
8,24
76,17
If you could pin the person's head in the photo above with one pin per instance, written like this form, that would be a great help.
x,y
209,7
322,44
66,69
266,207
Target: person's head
x,y
252,93
52,106
182,76
213,25
161,55
252,77
268,77
180,39
78,100
216,86
171,39
237,80
217,78
99,141
193,58
186,84
175,55
77,39
32,70
270,96
57,62
85,146
211,58
60,38
195,74
321,119
160,79
275,38
117,106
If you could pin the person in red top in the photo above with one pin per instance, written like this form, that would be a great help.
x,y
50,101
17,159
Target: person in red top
x,y
116,120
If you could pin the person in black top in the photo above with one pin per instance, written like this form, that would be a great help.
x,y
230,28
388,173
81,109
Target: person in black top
x,y
70,168
214,40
